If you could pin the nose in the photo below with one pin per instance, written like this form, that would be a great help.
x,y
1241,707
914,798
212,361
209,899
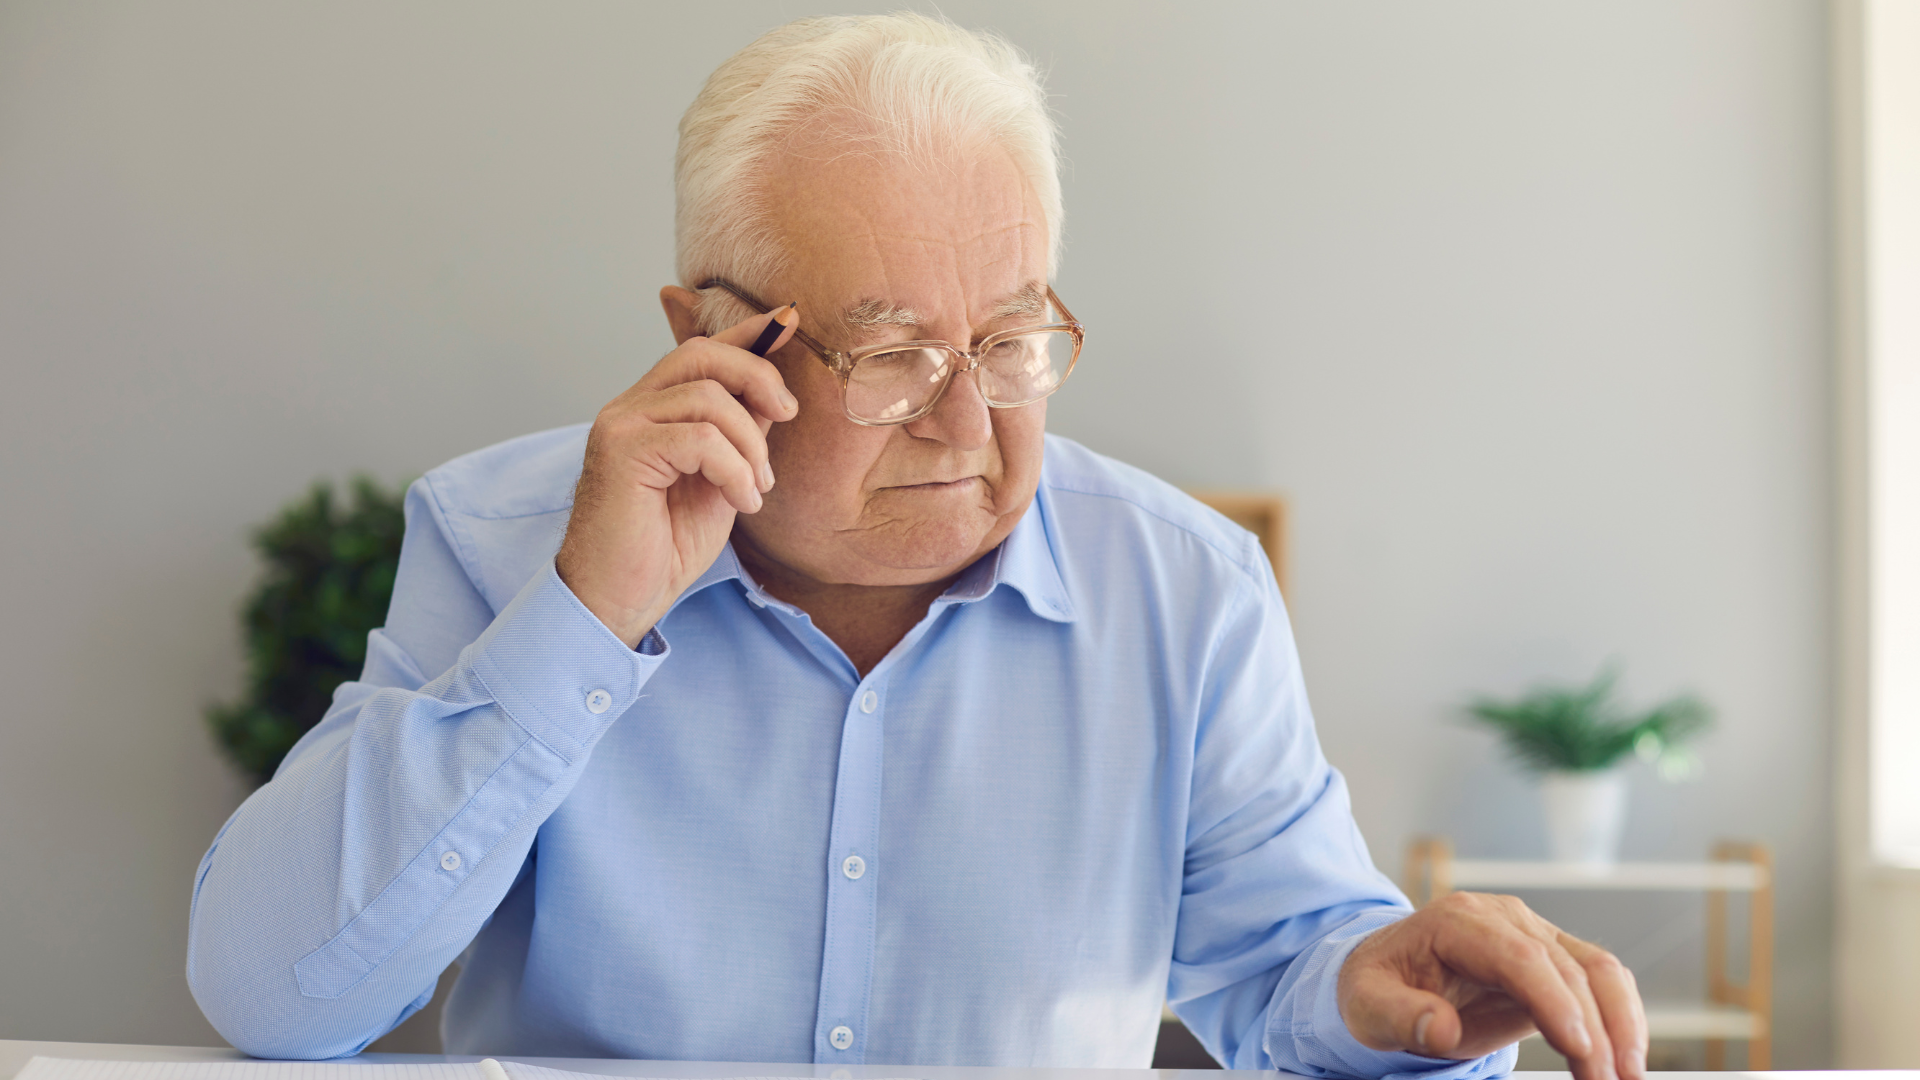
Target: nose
x,y
961,418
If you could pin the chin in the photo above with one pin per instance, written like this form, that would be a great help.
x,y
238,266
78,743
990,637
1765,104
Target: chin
x,y
925,550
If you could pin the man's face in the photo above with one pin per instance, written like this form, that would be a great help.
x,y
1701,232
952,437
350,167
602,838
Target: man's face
x,y
884,250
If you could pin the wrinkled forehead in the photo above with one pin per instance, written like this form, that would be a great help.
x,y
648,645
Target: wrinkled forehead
x,y
951,237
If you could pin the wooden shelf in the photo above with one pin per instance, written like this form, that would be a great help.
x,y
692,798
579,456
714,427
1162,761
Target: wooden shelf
x,y
1685,1021
1733,1010
1681,877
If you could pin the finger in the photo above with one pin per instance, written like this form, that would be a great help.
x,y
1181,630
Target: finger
x,y
742,335
1621,1010
1495,952
1387,1014
700,450
775,332
1597,1062
707,401
762,334
755,380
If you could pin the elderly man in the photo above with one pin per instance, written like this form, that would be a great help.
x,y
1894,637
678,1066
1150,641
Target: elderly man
x,y
822,708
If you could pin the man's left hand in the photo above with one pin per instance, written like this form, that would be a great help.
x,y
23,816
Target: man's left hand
x,y
1470,973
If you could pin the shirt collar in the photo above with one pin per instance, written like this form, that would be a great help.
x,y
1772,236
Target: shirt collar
x,y
1025,560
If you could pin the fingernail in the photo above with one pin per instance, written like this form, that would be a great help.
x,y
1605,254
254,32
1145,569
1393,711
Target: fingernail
x,y
1420,1027
788,398
758,502
766,476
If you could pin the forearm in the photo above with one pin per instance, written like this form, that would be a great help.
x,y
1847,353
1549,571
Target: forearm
x,y
336,895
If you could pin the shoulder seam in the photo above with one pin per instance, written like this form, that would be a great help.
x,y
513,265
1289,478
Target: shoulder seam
x,y
564,500
568,505
454,539
1237,559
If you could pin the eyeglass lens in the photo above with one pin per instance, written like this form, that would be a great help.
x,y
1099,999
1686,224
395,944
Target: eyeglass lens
x,y
1015,371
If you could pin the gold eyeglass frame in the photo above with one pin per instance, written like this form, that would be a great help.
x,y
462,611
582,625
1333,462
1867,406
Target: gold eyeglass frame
x,y
842,363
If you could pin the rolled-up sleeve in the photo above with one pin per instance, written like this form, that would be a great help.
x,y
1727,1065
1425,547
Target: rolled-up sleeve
x,y
333,898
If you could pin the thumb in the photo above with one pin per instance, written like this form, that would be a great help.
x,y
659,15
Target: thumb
x,y
1387,1014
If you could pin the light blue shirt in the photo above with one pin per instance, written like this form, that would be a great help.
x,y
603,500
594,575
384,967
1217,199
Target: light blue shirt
x,y
1088,780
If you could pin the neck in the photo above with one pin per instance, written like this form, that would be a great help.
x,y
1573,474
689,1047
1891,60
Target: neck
x,y
866,621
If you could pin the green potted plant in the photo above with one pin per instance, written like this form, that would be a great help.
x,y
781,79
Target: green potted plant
x,y
330,566
1575,739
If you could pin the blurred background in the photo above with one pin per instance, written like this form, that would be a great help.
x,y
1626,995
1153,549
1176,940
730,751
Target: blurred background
x,y
1527,309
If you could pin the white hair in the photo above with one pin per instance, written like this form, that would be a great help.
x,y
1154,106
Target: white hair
x,y
919,86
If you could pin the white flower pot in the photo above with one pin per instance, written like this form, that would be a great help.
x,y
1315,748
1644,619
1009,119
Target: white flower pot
x,y
1584,812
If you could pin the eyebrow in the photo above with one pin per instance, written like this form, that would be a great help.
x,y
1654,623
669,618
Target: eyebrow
x,y
869,314
1031,299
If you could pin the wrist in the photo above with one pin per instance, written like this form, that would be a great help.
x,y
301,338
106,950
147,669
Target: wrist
x,y
629,624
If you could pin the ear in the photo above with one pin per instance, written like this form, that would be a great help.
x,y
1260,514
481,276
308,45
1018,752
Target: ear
x,y
680,305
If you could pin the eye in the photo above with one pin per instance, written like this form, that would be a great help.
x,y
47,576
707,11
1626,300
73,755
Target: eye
x,y
1013,350
886,364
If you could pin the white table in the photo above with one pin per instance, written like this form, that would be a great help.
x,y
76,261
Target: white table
x,y
14,1055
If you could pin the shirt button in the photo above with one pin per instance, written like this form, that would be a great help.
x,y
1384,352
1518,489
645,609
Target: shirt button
x,y
841,1037
599,701
854,867
450,861
869,701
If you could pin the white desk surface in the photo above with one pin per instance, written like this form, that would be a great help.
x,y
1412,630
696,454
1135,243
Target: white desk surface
x,y
14,1054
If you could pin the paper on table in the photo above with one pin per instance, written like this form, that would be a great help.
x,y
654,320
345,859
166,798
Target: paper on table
x,y
50,1068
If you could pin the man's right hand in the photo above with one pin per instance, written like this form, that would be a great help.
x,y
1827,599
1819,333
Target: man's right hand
x,y
669,463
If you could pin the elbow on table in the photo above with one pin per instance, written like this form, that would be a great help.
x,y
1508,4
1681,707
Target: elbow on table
x,y
269,1025
279,1038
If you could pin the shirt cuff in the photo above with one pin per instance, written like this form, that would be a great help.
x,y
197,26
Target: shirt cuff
x,y
556,668
1324,1040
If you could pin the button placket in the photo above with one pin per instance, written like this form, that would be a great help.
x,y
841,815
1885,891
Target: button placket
x,y
846,967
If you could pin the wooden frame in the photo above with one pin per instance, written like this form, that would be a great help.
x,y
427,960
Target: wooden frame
x,y
1756,994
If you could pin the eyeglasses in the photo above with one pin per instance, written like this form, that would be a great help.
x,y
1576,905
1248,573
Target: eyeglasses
x,y
900,382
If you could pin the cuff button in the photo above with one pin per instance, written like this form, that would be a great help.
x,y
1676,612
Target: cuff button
x,y
450,861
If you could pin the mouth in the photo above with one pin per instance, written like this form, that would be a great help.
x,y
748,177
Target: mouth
x,y
939,485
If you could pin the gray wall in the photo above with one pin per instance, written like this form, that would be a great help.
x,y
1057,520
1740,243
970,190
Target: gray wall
x,y
1524,305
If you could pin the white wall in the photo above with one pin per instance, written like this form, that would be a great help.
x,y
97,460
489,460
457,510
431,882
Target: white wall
x,y
1524,305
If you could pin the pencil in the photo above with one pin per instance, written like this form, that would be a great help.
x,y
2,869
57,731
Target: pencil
x,y
782,318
